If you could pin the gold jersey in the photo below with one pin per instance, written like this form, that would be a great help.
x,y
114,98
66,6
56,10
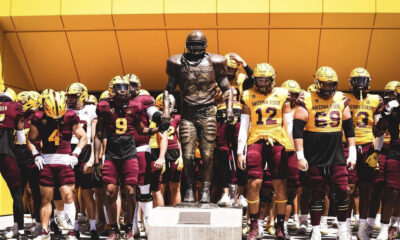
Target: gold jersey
x,y
324,115
265,114
153,138
363,112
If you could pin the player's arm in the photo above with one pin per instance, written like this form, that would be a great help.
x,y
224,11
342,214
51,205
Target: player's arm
x,y
80,133
288,120
300,120
348,129
97,140
89,164
32,136
21,138
179,160
159,163
243,135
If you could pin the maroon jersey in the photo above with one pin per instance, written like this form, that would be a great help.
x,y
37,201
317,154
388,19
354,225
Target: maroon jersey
x,y
22,152
118,127
142,102
10,112
394,130
173,132
55,134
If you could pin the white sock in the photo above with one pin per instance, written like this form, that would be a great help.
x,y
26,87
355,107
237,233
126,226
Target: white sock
x,y
356,217
135,227
260,222
76,225
146,207
70,211
285,225
378,217
316,228
58,213
397,224
324,219
295,216
342,226
385,227
371,221
393,221
304,218
92,223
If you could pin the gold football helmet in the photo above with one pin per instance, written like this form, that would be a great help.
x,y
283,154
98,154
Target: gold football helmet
x,y
143,92
360,80
9,93
264,76
160,101
104,95
78,89
91,100
292,86
391,91
54,105
30,100
134,82
326,81
311,88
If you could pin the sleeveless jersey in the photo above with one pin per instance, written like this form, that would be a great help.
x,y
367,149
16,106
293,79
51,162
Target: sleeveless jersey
x,y
363,112
10,112
323,115
86,116
265,114
55,134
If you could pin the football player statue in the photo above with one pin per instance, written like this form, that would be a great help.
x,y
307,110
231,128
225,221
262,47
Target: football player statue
x,y
198,74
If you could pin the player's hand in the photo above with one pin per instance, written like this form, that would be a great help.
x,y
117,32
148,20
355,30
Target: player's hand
x,y
390,106
237,58
352,158
88,167
158,164
230,117
241,162
179,163
302,164
96,173
372,160
39,162
73,160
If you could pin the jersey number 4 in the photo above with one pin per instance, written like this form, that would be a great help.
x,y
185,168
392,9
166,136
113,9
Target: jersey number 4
x,y
121,125
55,137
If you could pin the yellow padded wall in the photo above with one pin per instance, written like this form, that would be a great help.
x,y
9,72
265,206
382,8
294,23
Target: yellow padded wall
x,y
147,61
5,19
97,62
387,14
383,60
344,50
36,15
243,14
349,13
128,14
190,13
49,58
293,53
294,13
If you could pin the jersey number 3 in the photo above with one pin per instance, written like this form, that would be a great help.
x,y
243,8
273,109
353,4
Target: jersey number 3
x,y
121,125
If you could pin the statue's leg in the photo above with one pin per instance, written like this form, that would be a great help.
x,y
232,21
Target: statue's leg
x,y
188,136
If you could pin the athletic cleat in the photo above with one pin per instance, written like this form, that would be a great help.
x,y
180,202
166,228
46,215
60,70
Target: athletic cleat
x,y
55,229
383,235
279,233
225,201
369,230
129,235
189,195
94,235
242,201
71,235
362,232
393,233
13,232
295,225
135,230
246,230
356,225
112,235
253,234
77,234
335,223
271,230
44,235
344,235
82,218
316,235
63,222
303,228
260,230
324,228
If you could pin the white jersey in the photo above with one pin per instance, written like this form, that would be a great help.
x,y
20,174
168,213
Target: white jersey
x,y
86,115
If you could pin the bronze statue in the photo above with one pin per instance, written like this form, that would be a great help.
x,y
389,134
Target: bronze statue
x,y
198,74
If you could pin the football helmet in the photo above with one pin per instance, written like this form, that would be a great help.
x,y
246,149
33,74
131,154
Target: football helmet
x,y
8,95
311,88
134,82
54,105
104,95
294,89
119,88
76,93
360,80
232,67
264,77
30,100
44,94
160,101
91,100
196,43
390,91
326,81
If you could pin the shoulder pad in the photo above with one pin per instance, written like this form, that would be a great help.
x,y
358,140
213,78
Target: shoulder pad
x,y
216,58
146,100
303,98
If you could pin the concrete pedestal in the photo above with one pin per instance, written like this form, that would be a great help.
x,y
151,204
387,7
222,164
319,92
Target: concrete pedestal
x,y
190,223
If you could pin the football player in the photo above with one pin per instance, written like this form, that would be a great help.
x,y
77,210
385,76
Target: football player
x,y
390,121
365,109
317,133
30,101
267,109
11,119
77,94
54,127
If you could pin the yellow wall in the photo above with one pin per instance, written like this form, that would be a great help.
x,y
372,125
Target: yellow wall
x,y
57,42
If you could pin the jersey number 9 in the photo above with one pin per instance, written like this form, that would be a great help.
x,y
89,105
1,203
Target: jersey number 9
x,y
121,125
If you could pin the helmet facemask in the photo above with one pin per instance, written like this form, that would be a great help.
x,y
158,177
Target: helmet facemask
x,y
231,73
121,92
326,89
73,101
134,89
360,86
264,84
